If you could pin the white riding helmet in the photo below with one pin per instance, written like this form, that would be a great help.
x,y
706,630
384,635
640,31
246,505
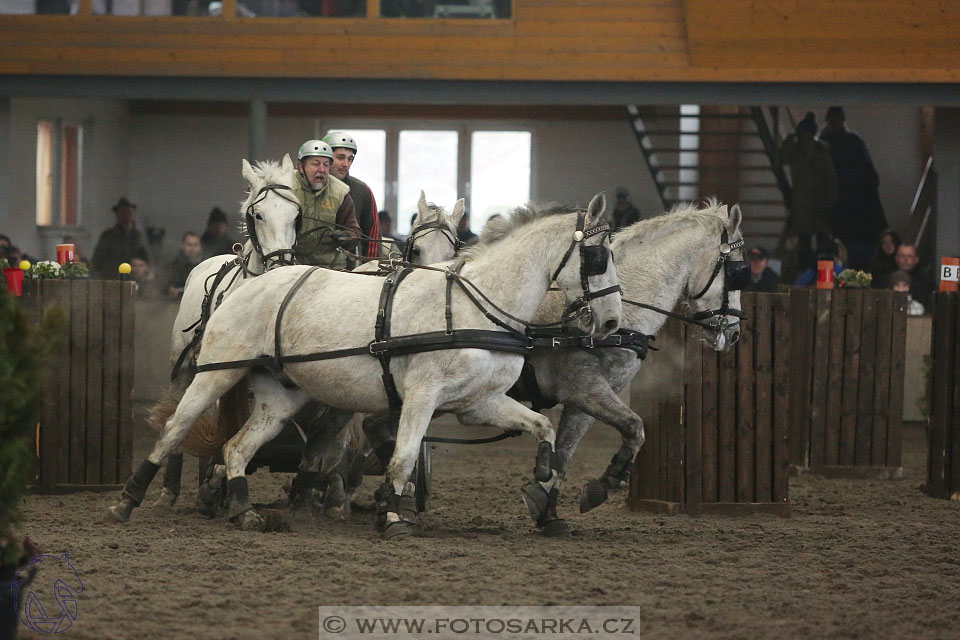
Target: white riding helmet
x,y
340,139
314,148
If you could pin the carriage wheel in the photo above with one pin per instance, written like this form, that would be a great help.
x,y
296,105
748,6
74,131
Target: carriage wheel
x,y
423,476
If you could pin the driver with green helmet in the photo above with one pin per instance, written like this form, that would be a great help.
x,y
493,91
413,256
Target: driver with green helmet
x,y
329,229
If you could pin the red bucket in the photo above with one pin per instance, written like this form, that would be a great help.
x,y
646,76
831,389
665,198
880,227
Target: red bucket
x,y
65,253
14,280
824,274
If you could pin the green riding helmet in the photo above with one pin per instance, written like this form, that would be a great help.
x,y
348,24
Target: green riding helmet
x,y
314,148
340,139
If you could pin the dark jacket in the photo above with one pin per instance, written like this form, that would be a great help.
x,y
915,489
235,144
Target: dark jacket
x,y
365,208
114,247
768,282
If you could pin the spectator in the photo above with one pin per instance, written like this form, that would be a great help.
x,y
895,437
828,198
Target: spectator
x,y
189,256
365,205
12,253
762,277
901,281
143,275
464,233
921,286
814,188
624,212
857,214
330,227
215,240
884,260
119,243
386,226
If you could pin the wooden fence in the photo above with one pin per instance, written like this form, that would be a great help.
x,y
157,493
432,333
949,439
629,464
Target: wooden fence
x,y
846,387
718,442
943,469
85,440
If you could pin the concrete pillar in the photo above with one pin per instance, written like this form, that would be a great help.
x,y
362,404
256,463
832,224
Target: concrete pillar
x,y
5,142
258,130
946,158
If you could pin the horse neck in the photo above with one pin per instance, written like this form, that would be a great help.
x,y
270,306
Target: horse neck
x,y
657,273
515,271
254,263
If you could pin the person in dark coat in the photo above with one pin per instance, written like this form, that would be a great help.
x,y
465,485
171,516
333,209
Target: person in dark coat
x,y
120,243
762,277
858,214
921,285
884,260
624,211
215,240
189,256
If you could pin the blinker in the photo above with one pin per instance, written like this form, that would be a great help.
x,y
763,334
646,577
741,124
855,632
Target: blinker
x,y
595,260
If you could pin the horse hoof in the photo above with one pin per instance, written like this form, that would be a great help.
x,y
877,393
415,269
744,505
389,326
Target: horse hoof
x,y
556,529
120,512
251,521
333,513
536,499
166,500
397,530
335,497
593,494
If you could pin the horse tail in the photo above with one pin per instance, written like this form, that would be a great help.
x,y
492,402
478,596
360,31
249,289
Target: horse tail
x,y
213,428
355,439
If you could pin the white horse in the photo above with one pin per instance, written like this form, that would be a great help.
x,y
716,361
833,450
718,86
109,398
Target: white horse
x,y
660,262
514,264
433,239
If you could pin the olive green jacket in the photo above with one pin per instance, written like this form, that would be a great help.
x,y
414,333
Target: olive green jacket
x,y
329,222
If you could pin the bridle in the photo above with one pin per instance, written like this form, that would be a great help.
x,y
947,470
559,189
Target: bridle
x,y
410,251
280,257
736,274
593,262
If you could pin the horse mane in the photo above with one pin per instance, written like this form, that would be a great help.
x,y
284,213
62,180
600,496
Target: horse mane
x,y
708,214
502,226
271,171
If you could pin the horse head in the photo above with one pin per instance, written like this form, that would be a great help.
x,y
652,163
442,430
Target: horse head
x,y
433,236
715,283
271,210
587,276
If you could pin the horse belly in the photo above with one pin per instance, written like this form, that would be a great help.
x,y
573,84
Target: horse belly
x,y
353,383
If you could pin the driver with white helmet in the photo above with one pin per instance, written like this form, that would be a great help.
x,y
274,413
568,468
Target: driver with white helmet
x,y
344,151
329,221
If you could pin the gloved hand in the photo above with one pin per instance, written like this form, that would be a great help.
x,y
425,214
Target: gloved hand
x,y
343,238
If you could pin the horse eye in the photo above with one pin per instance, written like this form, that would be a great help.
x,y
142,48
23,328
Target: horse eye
x,y
258,217
416,251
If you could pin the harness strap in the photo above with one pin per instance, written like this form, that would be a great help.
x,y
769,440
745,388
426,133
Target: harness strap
x,y
278,357
382,332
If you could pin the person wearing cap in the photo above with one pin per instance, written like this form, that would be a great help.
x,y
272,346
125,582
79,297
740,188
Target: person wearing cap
x,y
858,216
120,243
814,188
329,228
215,240
900,280
624,212
762,277
365,205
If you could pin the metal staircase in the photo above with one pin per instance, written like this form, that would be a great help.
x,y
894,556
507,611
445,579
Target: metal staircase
x,y
696,152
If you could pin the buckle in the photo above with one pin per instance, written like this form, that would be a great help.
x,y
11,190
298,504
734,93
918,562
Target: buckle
x,y
588,342
378,347
619,342
556,342
529,344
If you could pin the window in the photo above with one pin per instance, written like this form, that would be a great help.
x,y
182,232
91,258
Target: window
x,y
59,173
428,161
499,173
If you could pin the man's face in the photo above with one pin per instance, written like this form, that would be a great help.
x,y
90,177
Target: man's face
x,y
757,265
342,161
835,122
139,268
316,169
191,246
906,257
125,217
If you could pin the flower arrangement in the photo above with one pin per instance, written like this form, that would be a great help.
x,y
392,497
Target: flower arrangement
x,y
854,279
47,269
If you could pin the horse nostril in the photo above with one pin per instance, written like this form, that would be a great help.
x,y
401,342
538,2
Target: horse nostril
x,y
610,325
735,336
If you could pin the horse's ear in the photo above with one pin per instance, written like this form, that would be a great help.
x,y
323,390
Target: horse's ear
x,y
287,164
248,173
458,211
422,206
596,208
736,217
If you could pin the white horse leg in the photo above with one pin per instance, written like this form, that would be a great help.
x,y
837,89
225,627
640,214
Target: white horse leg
x,y
202,392
272,405
396,504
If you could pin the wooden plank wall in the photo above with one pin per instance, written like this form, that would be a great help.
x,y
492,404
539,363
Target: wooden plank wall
x,y
85,438
850,377
560,40
943,469
723,447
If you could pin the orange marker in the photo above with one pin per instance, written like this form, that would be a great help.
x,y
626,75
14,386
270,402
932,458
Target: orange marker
x,y
824,274
949,274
